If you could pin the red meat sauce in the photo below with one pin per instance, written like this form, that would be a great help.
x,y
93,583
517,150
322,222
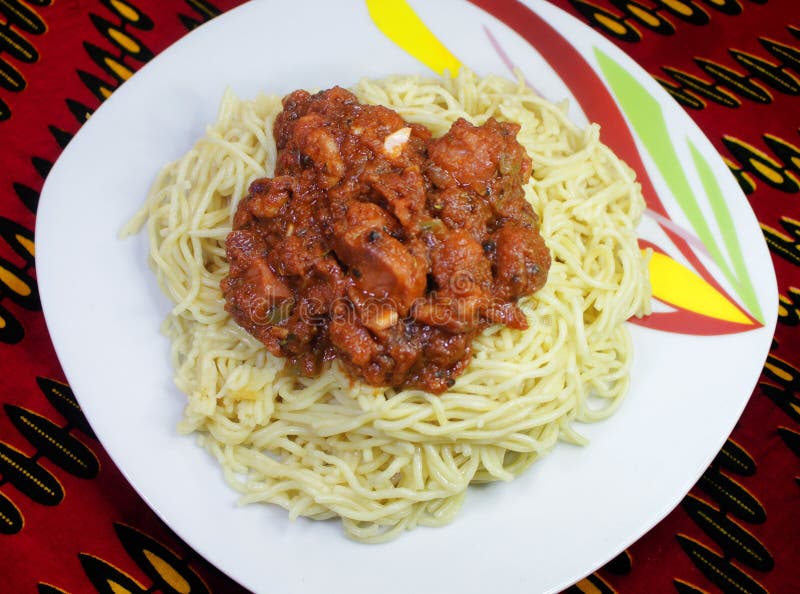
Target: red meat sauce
x,y
381,246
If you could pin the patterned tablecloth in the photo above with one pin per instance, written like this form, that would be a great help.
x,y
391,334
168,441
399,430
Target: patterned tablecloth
x,y
69,522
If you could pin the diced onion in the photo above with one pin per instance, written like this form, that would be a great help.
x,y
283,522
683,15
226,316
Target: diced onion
x,y
394,143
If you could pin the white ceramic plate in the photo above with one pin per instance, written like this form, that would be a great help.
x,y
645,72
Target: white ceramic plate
x,y
571,512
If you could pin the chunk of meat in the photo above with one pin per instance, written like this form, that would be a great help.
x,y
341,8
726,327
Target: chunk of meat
x,y
403,192
244,252
522,261
460,267
317,146
461,209
463,278
380,264
371,127
252,290
352,340
269,196
447,355
472,155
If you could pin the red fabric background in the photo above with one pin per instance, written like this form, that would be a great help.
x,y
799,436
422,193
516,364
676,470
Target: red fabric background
x,y
80,543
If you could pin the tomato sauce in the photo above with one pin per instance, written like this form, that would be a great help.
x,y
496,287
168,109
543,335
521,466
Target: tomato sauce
x,y
377,244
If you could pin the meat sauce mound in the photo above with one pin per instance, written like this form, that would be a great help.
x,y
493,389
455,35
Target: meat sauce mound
x,y
381,246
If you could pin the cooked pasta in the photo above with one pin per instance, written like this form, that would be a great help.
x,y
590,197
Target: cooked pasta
x,y
381,459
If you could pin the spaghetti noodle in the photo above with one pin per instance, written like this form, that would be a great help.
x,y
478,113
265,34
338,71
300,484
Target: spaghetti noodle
x,y
385,460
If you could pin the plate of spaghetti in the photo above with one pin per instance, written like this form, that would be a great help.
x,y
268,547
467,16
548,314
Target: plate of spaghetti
x,y
356,298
